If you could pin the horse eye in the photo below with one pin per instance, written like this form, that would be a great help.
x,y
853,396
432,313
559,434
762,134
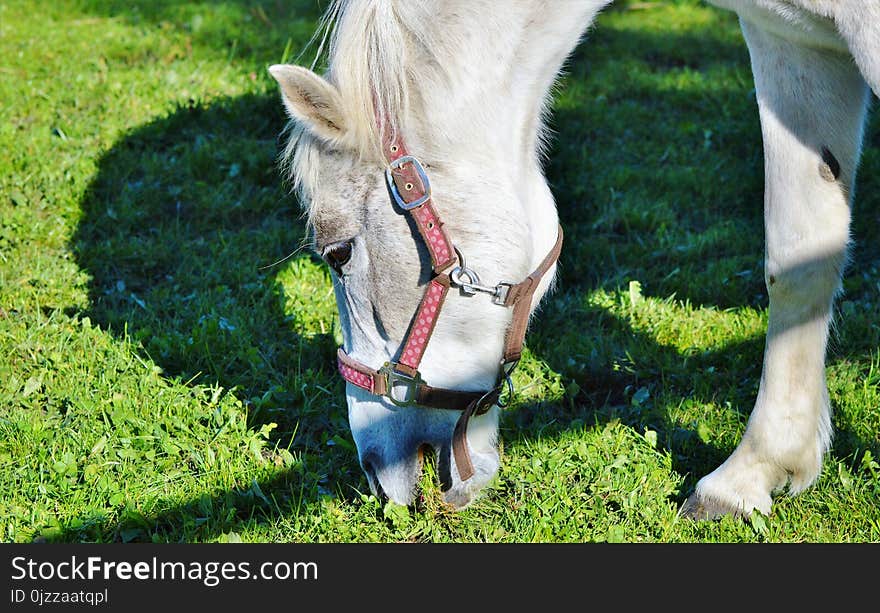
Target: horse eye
x,y
337,255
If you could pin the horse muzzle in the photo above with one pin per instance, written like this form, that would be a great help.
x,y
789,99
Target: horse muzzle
x,y
393,443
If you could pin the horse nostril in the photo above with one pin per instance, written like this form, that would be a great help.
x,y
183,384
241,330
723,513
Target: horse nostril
x,y
425,450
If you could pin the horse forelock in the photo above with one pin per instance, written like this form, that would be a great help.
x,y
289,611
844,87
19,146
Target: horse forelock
x,y
364,44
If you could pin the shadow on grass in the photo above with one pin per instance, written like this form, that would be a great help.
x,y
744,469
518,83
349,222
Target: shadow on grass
x,y
179,233
186,212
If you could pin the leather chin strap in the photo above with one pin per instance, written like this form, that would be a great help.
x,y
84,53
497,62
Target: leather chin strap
x,y
400,381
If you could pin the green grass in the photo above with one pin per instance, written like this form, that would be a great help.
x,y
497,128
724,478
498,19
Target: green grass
x,y
160,381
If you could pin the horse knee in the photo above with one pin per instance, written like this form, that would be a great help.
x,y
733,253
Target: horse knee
x,y
809,282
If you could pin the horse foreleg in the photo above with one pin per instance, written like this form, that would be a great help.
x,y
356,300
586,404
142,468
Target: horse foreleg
x,y
812,105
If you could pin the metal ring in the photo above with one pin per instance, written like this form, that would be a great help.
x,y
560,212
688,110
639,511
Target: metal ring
x,y
510,393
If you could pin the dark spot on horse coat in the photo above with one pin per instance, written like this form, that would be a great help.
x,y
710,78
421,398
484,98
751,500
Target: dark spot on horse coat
x,y
830,167
772,279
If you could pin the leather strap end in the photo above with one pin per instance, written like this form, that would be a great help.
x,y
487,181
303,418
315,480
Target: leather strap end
x,y
358,374
459,436
459,444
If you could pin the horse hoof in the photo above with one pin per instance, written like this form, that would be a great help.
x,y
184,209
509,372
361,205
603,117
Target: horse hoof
x,y
699,508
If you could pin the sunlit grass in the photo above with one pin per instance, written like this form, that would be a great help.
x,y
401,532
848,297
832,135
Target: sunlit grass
x,y
166,345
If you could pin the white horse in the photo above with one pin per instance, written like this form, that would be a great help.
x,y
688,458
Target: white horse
x,y
463,86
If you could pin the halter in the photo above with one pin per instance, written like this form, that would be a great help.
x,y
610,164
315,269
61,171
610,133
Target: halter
x,y
400,381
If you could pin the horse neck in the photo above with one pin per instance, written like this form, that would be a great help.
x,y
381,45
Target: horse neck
x,y
483,77
486,73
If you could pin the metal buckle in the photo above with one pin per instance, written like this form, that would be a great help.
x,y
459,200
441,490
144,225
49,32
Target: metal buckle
x,y
501,292
397,380
487,400
423,176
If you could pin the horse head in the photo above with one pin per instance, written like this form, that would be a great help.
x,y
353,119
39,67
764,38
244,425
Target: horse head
x,y
421,175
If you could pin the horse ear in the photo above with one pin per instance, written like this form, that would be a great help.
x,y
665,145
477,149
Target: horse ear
x,y
311,100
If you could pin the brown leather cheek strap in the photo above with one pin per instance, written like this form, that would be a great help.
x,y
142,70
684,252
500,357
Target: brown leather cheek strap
x,y
520,297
